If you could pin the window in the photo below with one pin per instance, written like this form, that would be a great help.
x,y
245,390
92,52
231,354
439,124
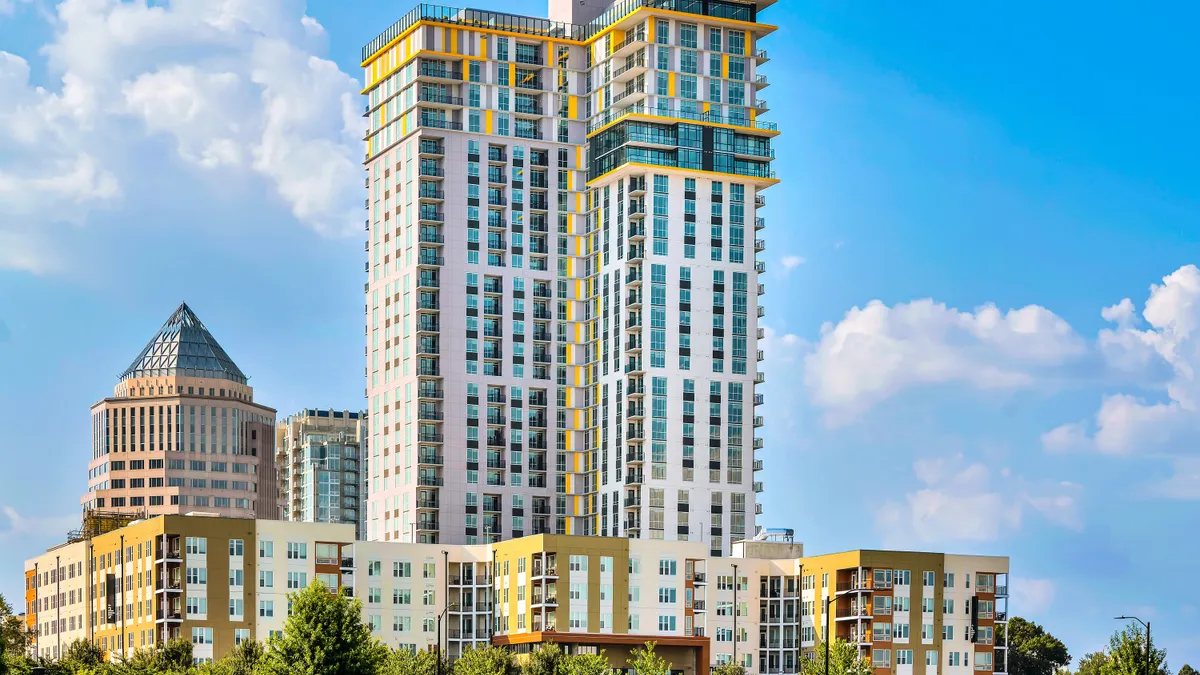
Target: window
x,y
266,579
266,608
931,657
926,631
899,631
402,570
902,577
579,563
430,570
904,657
266,548
196,606
983,661
927,605
927,578
947,632
296,580
203,636
948,580
197,576
666,567
947,606
881,658
236,577
953,659
236,609
235,547
666,623
240,635
297,550
196,546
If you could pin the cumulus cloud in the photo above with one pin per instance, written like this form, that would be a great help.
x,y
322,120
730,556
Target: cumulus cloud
x,y
959,501
791,262
1167,420
1031,595
21,526
876,351
234,87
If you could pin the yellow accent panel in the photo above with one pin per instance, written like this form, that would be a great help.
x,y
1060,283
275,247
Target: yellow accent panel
x,y
569,528
579,157
707,107
578,202
487,119
512,75
753,114
573,107
483,46
404,125
618,36
670,84
650,25
570,180
725,66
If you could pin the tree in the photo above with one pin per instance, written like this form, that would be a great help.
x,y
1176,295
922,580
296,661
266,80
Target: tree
x,y
729,669
646,662
486,661
406,661
585,664
1032,650
173,656
246,658
1187,670
544,660
1093,663
1127,653
324,635
14,641
81,655
844,659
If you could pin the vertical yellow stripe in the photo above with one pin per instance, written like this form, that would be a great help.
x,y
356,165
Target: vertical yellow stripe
x,y
573,107
753,114
512,74
453,40
579,157
404,125
725,66
650,23
670,84
487,116
483,46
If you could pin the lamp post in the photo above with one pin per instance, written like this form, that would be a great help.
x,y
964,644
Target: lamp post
x,y
735,610
1149,652
446,599
828,600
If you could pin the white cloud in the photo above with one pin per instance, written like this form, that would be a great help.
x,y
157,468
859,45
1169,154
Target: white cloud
x,y
791,262
20,526
1184,483
1033,596
234,87
877,351
961,501
1127,424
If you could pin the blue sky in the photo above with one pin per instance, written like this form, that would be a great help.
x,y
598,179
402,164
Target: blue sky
x,y
941,166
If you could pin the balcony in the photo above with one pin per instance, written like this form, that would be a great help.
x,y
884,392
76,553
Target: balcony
x,y
427,502
429,481
429,458
440,72
439,98
430,393
429,437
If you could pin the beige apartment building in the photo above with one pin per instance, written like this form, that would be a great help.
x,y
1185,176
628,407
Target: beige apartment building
x,y
218,581
183,433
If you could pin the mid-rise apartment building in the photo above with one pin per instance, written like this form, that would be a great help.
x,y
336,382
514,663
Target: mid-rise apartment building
x,y
561,272
320,462
182,432
218,581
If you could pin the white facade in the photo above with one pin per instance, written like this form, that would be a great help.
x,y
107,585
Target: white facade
x,y
288,554
610,298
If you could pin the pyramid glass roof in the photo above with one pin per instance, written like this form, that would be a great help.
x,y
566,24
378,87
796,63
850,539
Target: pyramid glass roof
x,y
184,347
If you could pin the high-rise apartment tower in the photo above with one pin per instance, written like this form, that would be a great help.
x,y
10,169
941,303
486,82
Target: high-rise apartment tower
x,y
182,433
561,296
318,454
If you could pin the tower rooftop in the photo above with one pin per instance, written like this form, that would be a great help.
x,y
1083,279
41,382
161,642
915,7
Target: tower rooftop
x,y
184,347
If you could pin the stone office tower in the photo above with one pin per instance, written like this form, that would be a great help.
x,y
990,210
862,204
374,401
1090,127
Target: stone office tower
x,y
182,433
562,294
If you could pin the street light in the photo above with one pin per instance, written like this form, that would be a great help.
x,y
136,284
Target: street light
x,y
446,599
1149,665
828,620
735,612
